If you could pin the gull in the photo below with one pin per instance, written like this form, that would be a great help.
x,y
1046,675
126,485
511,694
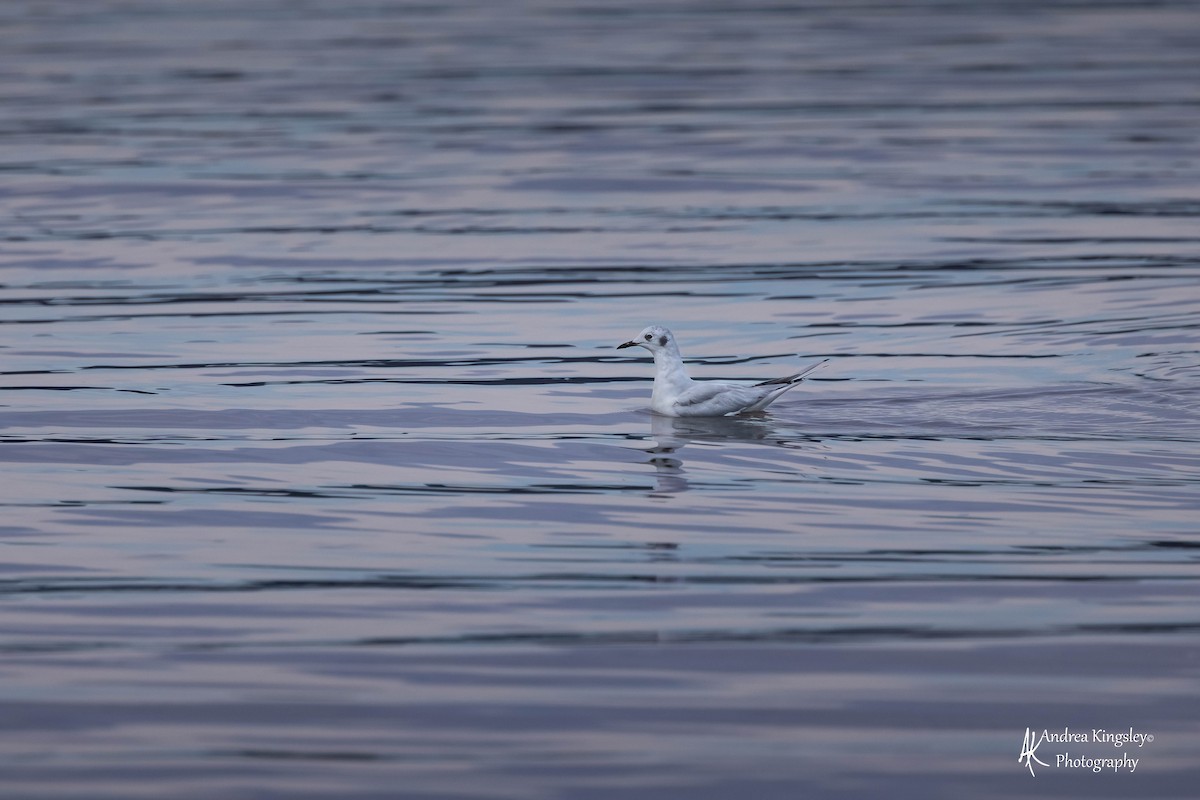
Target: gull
x,y
677,395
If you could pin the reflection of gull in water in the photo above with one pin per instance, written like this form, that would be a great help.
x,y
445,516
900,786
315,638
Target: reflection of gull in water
x,y
672,434
677,395
711,429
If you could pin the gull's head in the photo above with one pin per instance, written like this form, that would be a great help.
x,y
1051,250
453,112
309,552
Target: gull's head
x,y
654,338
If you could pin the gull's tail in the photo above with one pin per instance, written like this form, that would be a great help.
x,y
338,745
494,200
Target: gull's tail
x,y
792,380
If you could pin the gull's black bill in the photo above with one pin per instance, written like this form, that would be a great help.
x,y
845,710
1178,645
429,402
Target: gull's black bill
x,y
627,344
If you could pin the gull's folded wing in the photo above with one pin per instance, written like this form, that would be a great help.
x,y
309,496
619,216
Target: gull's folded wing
x,y
716,399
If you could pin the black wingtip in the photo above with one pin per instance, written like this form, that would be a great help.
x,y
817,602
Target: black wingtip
x,y
796,378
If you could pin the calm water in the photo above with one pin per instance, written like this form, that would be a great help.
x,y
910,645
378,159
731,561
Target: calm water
x,y
322,477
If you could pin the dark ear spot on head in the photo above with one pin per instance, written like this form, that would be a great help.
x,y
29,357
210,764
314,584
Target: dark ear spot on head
x,y
662,341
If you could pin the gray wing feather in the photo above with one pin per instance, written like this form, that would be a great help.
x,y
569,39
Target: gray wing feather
x,y
717,399
711,399
701,393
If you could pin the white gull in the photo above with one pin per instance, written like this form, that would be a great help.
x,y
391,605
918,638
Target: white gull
x,y
677,395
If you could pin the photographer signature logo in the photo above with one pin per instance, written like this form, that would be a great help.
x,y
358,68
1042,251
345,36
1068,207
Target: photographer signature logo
x,y
1029,751
1125,738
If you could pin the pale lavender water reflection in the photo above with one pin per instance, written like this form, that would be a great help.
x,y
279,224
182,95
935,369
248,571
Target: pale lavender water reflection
x,y
323,478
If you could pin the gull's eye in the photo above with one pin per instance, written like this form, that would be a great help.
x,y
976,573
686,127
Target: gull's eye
x,y
649,336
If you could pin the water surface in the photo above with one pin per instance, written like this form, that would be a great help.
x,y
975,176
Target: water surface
x,y
323,478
